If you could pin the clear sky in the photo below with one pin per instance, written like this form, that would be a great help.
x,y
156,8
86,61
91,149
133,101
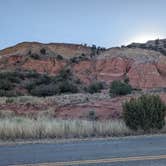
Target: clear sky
x,y
102,22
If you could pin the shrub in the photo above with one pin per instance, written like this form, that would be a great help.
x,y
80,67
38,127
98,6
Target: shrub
x,y
43,79
163,51
44,90
146,112
156,41
31,74
74,60
64,74
9,100
92,115
68,87
120,88
59,57
53,89
43,51
5,85
35,56
38,84
40,80
12,93
45,85
11,76
126,80
93,50
95,87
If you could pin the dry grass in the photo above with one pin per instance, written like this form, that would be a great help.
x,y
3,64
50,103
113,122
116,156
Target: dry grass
x,y
45,126
26,128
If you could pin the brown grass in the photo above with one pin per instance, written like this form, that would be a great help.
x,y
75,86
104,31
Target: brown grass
x,y
26,128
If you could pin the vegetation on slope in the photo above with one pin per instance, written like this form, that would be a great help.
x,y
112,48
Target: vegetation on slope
x,y
120,88
36,84
156,45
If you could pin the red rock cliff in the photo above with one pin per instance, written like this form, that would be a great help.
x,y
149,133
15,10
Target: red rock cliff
x,y
144,68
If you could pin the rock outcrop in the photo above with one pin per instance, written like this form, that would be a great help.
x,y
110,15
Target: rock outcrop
x,y
144,68
67,50
157,45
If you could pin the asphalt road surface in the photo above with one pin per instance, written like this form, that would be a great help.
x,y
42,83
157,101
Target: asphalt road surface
x,y
129,151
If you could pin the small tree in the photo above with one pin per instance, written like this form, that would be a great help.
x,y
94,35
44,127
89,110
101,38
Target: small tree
x,y
68,87
156,41
59,57
119,88
43,51
94,50
92,115
146,112
95,87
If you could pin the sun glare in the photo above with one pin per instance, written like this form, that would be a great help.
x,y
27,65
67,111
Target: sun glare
x,y
143,38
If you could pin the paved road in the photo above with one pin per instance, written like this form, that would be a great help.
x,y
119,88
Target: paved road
x,y
137,151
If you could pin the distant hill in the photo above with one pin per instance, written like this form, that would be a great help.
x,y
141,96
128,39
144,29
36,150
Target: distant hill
x,y
157,45
67,50
142,64
60,70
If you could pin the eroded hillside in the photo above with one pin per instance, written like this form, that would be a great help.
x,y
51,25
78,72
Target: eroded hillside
x,y
144,68
56,69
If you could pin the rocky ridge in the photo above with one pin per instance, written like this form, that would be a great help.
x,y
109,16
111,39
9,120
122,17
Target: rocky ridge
x,y
144,68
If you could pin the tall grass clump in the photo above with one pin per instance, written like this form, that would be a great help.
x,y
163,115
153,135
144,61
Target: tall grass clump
x,y
146,112
25,128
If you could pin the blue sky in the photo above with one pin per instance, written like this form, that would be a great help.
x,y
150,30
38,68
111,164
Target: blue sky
x,y
102,22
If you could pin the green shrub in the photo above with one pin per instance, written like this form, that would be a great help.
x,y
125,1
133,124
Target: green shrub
x,y
43,51
93,50
126,80
64,74
31,74
40,80
146,112
59,57
79,58
74,60
120,88
92,115
68,87
13,77
44,90
46,85
5,85
35,56
43,79
38,84
9,100
95,87
11,93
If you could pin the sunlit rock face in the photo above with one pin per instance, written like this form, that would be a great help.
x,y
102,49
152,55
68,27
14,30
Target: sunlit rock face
x,y
110,69
50,66
161,66
144,76
145,69
85,71
67,50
